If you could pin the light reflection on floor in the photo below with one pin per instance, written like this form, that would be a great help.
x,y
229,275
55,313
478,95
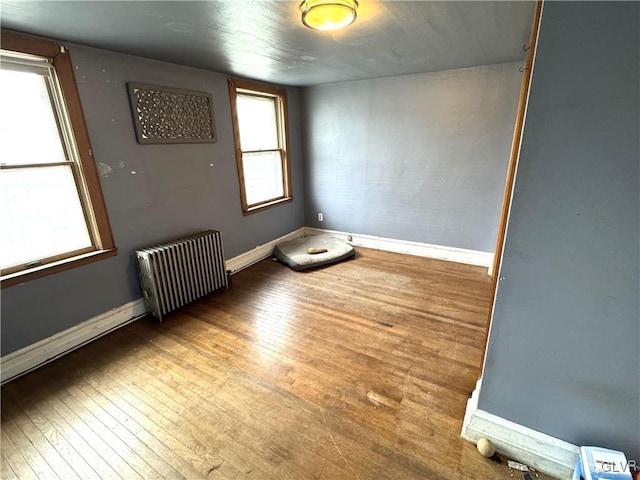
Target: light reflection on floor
x,y
272,326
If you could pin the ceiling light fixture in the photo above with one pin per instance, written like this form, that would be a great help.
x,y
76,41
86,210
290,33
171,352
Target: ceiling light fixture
x,y
328,15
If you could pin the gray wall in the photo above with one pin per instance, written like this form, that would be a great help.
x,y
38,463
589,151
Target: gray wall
x,y
417,157
176,189
563,354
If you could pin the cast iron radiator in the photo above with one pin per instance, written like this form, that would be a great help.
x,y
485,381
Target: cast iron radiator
x,y
175,273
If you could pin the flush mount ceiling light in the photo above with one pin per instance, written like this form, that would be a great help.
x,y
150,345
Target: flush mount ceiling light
x,y
328,14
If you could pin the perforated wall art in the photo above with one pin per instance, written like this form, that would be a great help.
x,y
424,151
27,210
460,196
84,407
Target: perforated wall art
x,y
171,115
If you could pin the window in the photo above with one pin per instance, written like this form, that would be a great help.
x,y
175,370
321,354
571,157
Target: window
x,y
52,214
260,132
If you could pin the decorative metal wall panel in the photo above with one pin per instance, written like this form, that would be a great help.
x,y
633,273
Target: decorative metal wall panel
x,y
171,115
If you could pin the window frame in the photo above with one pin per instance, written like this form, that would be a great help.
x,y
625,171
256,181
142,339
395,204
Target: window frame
x,y
84,170
279,95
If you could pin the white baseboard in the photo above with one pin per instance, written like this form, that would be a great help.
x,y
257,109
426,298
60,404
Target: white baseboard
x,y
261,252
472,406
525,445
452,254
28,358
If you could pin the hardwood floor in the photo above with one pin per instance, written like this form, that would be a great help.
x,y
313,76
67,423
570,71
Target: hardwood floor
x,y
357,371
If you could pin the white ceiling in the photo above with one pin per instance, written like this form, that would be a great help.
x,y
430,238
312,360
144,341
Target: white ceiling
x,y
264,39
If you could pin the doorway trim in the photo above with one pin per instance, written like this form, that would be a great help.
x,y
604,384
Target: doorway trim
x,y
513,165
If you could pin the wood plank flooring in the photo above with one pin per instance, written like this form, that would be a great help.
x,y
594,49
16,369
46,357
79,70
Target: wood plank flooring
x,y
357,371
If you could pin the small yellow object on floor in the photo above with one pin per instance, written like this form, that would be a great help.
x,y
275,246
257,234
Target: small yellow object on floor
x,y
486,448
315,251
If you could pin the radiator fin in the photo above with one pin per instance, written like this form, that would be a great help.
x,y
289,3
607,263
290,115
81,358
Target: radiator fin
x,y
175,273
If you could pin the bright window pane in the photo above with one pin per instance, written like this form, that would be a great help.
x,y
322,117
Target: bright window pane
x,y
40,214
262,176
28,128
257,123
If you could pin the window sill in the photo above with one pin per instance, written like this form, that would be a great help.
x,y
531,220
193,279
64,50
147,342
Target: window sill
x,y
265,206
55,267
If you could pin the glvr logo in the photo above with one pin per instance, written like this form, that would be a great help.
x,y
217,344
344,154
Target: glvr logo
x,y
617,467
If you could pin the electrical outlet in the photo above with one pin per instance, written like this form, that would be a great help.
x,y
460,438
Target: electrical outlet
x,y
320,217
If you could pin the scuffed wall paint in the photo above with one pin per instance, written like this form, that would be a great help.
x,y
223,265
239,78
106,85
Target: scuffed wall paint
x,y
152,192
